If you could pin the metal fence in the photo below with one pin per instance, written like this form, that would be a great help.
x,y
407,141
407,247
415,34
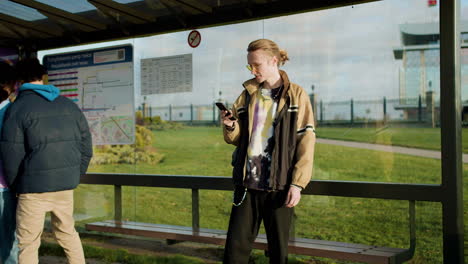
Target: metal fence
x,y
331,112
363,111
186,113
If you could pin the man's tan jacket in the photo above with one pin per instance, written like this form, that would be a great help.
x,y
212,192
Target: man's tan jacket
x,y
294,134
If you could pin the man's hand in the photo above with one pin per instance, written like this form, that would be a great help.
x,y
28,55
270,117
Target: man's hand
x,y
226,121
294,196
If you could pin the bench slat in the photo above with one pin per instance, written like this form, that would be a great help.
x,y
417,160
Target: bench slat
x,y
303,246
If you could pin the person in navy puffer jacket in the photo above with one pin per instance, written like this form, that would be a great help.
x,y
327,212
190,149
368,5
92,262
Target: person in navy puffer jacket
x,y
46,146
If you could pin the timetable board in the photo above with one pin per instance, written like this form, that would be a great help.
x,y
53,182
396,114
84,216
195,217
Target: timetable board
x,y
166,75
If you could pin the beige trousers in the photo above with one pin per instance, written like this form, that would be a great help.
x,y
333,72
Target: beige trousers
x,y
30,216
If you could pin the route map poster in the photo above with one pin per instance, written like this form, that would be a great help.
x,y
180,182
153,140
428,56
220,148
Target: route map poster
x,y
100,82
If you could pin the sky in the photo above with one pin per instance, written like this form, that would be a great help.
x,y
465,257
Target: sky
x,y
343,53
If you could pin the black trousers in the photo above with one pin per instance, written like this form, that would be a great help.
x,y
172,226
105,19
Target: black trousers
x,y
245,221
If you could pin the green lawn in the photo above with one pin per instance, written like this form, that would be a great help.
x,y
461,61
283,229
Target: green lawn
x,y
425,138
117,255
202,151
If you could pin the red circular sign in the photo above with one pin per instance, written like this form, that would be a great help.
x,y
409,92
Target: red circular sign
x,y
194,39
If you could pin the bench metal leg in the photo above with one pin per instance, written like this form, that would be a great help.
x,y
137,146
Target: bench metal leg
x,y
195,210
408,254
118,203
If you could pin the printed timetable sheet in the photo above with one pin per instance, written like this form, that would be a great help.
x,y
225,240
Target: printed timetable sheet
x,y
165,75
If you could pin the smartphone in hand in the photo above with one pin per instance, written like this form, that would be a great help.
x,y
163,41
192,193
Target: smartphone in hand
x,y
222,107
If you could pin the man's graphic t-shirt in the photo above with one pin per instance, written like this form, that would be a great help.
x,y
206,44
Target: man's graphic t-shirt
x,y
262,140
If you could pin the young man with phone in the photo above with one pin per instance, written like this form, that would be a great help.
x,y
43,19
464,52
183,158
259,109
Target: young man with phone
x,y
274,133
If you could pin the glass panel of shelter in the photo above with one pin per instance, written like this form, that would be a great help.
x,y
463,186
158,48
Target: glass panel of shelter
x,y
366,78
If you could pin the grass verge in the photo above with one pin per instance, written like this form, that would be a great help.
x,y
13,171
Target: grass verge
x,y
202,151
118,255
424,138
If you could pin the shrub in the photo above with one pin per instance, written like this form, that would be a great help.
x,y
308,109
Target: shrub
x,y
142,151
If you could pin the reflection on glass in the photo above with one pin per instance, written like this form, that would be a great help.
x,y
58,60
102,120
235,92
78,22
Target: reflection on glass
x,y
368,71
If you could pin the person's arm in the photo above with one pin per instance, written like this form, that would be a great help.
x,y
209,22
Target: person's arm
x,y
12,149
86,144
302,171
305,146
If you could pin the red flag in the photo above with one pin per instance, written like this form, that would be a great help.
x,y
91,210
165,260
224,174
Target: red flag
x,y
431,2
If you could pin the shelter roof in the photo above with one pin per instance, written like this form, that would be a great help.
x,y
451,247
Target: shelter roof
x,y
45,24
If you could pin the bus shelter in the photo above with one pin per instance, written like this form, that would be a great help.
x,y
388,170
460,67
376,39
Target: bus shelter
x,y
67,24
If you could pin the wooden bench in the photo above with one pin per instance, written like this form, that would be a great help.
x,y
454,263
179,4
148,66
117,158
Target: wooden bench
x,y
302,246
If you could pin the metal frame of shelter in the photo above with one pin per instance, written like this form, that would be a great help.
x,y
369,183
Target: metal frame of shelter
x,y
450,110
28,37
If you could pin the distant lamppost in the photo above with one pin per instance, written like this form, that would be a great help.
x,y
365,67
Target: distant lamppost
x,y
312,95
143,110
313,101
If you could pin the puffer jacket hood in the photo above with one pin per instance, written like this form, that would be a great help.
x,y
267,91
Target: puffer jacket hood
x,y
49,92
